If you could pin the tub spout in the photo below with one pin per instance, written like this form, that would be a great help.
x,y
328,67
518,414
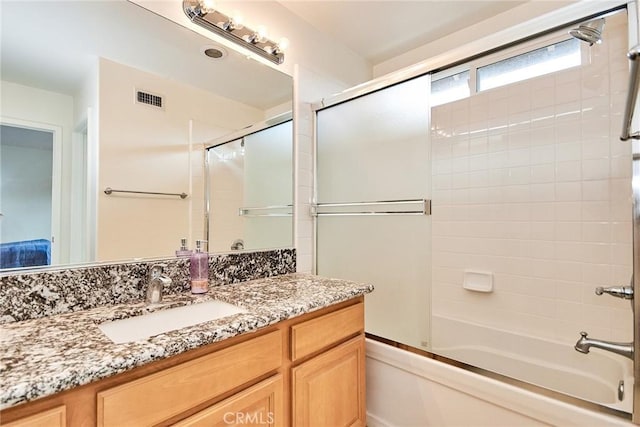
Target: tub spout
x,y
584,344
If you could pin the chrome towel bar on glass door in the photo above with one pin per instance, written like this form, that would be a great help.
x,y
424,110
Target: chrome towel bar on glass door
x,y
632,95
247,211
110,190
425,208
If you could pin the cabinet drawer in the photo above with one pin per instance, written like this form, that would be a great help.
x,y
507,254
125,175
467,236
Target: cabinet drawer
x,y
260,405
167,393
56,417
322,332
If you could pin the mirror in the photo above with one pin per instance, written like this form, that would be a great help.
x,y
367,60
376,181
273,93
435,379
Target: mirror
x,y
250,188
108,94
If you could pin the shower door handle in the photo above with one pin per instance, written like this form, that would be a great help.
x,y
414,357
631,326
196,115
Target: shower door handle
x,y
624,292
632,95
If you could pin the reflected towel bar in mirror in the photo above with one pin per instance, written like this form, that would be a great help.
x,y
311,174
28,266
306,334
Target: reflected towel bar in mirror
x,y
110,190
248,211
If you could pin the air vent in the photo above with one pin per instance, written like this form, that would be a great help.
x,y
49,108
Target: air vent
x,y
147,98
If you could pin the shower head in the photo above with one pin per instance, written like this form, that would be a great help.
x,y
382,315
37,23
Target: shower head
x,y
590,32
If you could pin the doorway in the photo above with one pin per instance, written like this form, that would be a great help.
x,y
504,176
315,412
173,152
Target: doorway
x,y
29,194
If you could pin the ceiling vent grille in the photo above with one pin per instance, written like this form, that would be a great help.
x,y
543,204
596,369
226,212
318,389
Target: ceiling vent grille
x,y
151,99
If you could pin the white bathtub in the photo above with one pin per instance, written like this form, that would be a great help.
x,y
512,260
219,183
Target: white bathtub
x,y
405,389
553,365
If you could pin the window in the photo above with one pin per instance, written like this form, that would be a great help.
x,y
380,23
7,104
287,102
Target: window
x,y
451,88
547,60
543,56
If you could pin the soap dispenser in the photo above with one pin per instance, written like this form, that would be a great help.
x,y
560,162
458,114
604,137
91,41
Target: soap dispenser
x,y
199,268
184,251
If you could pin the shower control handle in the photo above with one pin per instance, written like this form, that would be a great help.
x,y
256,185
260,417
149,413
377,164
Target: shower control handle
x,y
625,292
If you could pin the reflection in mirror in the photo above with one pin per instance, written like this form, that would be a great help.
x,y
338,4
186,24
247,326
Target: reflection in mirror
x,y
250,188
124,99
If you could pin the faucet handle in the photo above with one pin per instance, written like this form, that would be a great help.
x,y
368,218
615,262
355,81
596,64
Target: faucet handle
x,y
157,270
625,292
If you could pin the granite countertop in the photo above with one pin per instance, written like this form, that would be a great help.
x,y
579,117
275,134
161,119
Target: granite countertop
x,y
48,355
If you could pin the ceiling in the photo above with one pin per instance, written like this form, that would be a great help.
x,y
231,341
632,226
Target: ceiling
x,y
125,33
56,48
381,30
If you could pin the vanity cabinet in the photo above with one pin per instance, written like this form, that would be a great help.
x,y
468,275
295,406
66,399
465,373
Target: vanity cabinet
x,y
306,371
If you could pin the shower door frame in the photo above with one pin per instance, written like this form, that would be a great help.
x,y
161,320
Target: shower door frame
x,y
636,279
528,30
634,39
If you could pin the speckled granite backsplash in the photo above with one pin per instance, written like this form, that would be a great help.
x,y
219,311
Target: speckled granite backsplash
x,y
39,294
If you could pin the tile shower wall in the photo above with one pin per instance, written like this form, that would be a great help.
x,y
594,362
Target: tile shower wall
x,y
226,181
531,183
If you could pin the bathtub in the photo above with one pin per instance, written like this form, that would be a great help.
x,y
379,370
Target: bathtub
x,y
406,389
556,366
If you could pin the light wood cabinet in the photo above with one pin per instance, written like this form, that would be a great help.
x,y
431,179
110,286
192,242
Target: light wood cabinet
x,y
260,405
168,393
329,390
306,371
319,333
55,417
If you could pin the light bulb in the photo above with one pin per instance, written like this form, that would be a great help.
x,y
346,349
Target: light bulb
x,y
207,6
261,34
237,19
283,44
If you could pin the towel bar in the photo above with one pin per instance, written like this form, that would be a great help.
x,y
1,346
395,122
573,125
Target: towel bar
x,y
110,190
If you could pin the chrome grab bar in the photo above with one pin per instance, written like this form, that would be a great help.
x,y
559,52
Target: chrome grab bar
x,y
632,95
110,190
425,208
247,211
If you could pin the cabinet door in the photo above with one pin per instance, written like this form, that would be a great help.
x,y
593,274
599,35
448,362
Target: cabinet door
x,y
260,405
329,390
157,397
56,417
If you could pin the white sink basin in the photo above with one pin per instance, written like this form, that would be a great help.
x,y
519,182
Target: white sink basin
x,y
148,325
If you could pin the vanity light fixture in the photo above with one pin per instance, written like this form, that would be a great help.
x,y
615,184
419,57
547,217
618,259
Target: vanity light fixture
x,y
203,13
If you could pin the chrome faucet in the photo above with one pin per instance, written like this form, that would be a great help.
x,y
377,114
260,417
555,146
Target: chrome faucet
x,y
157,281
584,344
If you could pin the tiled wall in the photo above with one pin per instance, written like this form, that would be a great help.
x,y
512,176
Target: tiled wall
x,y
308,87
531,183
226,180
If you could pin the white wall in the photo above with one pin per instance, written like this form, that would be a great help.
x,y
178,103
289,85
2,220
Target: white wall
x,y
84,169
53,109
149,149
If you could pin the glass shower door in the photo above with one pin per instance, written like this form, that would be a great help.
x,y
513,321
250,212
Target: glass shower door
x,y
373,190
